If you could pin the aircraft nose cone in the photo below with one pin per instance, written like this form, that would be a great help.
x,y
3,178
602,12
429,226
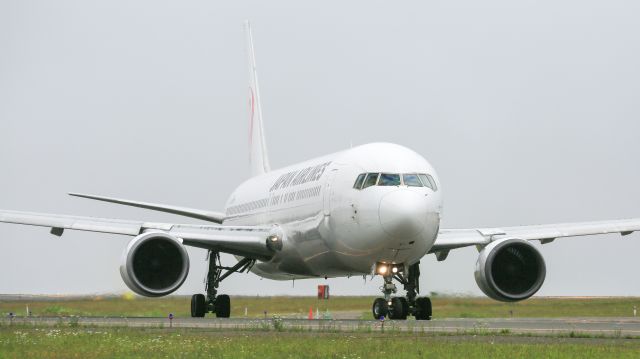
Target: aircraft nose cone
x,y
403,213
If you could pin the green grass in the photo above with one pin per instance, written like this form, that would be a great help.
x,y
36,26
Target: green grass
x,y
443,307
29,342
535,307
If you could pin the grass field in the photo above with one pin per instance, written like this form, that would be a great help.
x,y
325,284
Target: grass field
x,y
68,341
443,307
30,342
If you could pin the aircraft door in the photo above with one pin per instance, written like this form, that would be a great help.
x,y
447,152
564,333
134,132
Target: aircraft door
x,y
328,189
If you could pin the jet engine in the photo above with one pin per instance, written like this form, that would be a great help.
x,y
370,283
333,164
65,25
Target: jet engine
x,y
510,270
154,264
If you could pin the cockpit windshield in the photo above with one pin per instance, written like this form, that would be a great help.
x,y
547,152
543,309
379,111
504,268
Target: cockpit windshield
x,y
428,181
365,180
389,179
359,181
411,180
372,179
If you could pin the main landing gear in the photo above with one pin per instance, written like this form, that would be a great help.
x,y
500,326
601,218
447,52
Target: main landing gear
x,y
401,307
214,303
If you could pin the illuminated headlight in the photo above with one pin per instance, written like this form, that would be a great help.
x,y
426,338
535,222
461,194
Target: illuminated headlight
x,y
274,243
397,268
382,268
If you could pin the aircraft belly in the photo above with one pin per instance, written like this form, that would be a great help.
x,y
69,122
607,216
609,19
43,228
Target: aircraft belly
x,y
308,251
314,247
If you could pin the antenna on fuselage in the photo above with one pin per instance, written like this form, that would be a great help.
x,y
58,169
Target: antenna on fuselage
x,y
257,144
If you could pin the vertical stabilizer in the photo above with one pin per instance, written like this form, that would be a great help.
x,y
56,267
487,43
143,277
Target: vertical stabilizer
x,y
257,146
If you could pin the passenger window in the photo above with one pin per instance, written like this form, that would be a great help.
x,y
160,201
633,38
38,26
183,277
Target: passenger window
x,y
371,180
411,180
359,181
388,179
428,181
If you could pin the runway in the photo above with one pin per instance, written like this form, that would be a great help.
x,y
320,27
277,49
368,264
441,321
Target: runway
x,y
611,327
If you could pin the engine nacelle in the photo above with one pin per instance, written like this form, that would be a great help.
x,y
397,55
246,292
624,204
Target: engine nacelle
x,y
154,264
510,270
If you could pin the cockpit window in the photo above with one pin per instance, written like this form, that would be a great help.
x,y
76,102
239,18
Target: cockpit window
x,y
425,180
428,181
365,180
359,181
433,182
411,180
389,179
371,180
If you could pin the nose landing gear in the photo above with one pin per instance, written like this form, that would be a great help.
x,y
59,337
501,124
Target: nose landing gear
x,y
401,307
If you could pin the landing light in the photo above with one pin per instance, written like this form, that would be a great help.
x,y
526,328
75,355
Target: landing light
x,y
382,268
394,269
274,243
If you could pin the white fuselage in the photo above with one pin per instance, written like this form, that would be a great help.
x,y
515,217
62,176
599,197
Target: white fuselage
x,y
332,229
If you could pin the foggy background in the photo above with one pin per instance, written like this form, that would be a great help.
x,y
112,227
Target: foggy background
x,y
528,110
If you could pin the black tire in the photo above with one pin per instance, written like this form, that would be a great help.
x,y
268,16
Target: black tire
x,y
405,307
198,305
399,308
380,308
223,306
423,308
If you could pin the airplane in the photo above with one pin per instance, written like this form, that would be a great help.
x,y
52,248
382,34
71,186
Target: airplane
x,y
373,209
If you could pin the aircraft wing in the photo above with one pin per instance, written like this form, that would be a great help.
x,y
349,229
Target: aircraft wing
x,y
457,238
215,217
246,241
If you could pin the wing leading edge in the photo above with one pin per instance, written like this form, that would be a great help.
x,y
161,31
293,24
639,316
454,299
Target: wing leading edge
x,y
457,238
246,241
215,217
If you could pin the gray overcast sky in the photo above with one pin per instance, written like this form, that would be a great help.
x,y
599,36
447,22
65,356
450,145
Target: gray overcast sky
x,y
528,110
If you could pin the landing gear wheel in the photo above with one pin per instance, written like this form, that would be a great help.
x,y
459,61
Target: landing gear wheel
x,y
380,308
399,308
214,303
423,308
223,306
198,305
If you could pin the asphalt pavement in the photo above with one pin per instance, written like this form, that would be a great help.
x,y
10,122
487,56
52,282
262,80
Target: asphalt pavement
x,y
614,327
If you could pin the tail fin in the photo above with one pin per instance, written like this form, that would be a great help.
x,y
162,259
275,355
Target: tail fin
x,y
257,145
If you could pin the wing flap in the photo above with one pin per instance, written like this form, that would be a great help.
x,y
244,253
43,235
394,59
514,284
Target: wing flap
x,y
102,225
540,232
247,241
458,238
239,240
215,217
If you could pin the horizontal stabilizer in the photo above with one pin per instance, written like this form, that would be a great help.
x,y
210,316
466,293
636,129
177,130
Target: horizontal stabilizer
x,y
215,217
